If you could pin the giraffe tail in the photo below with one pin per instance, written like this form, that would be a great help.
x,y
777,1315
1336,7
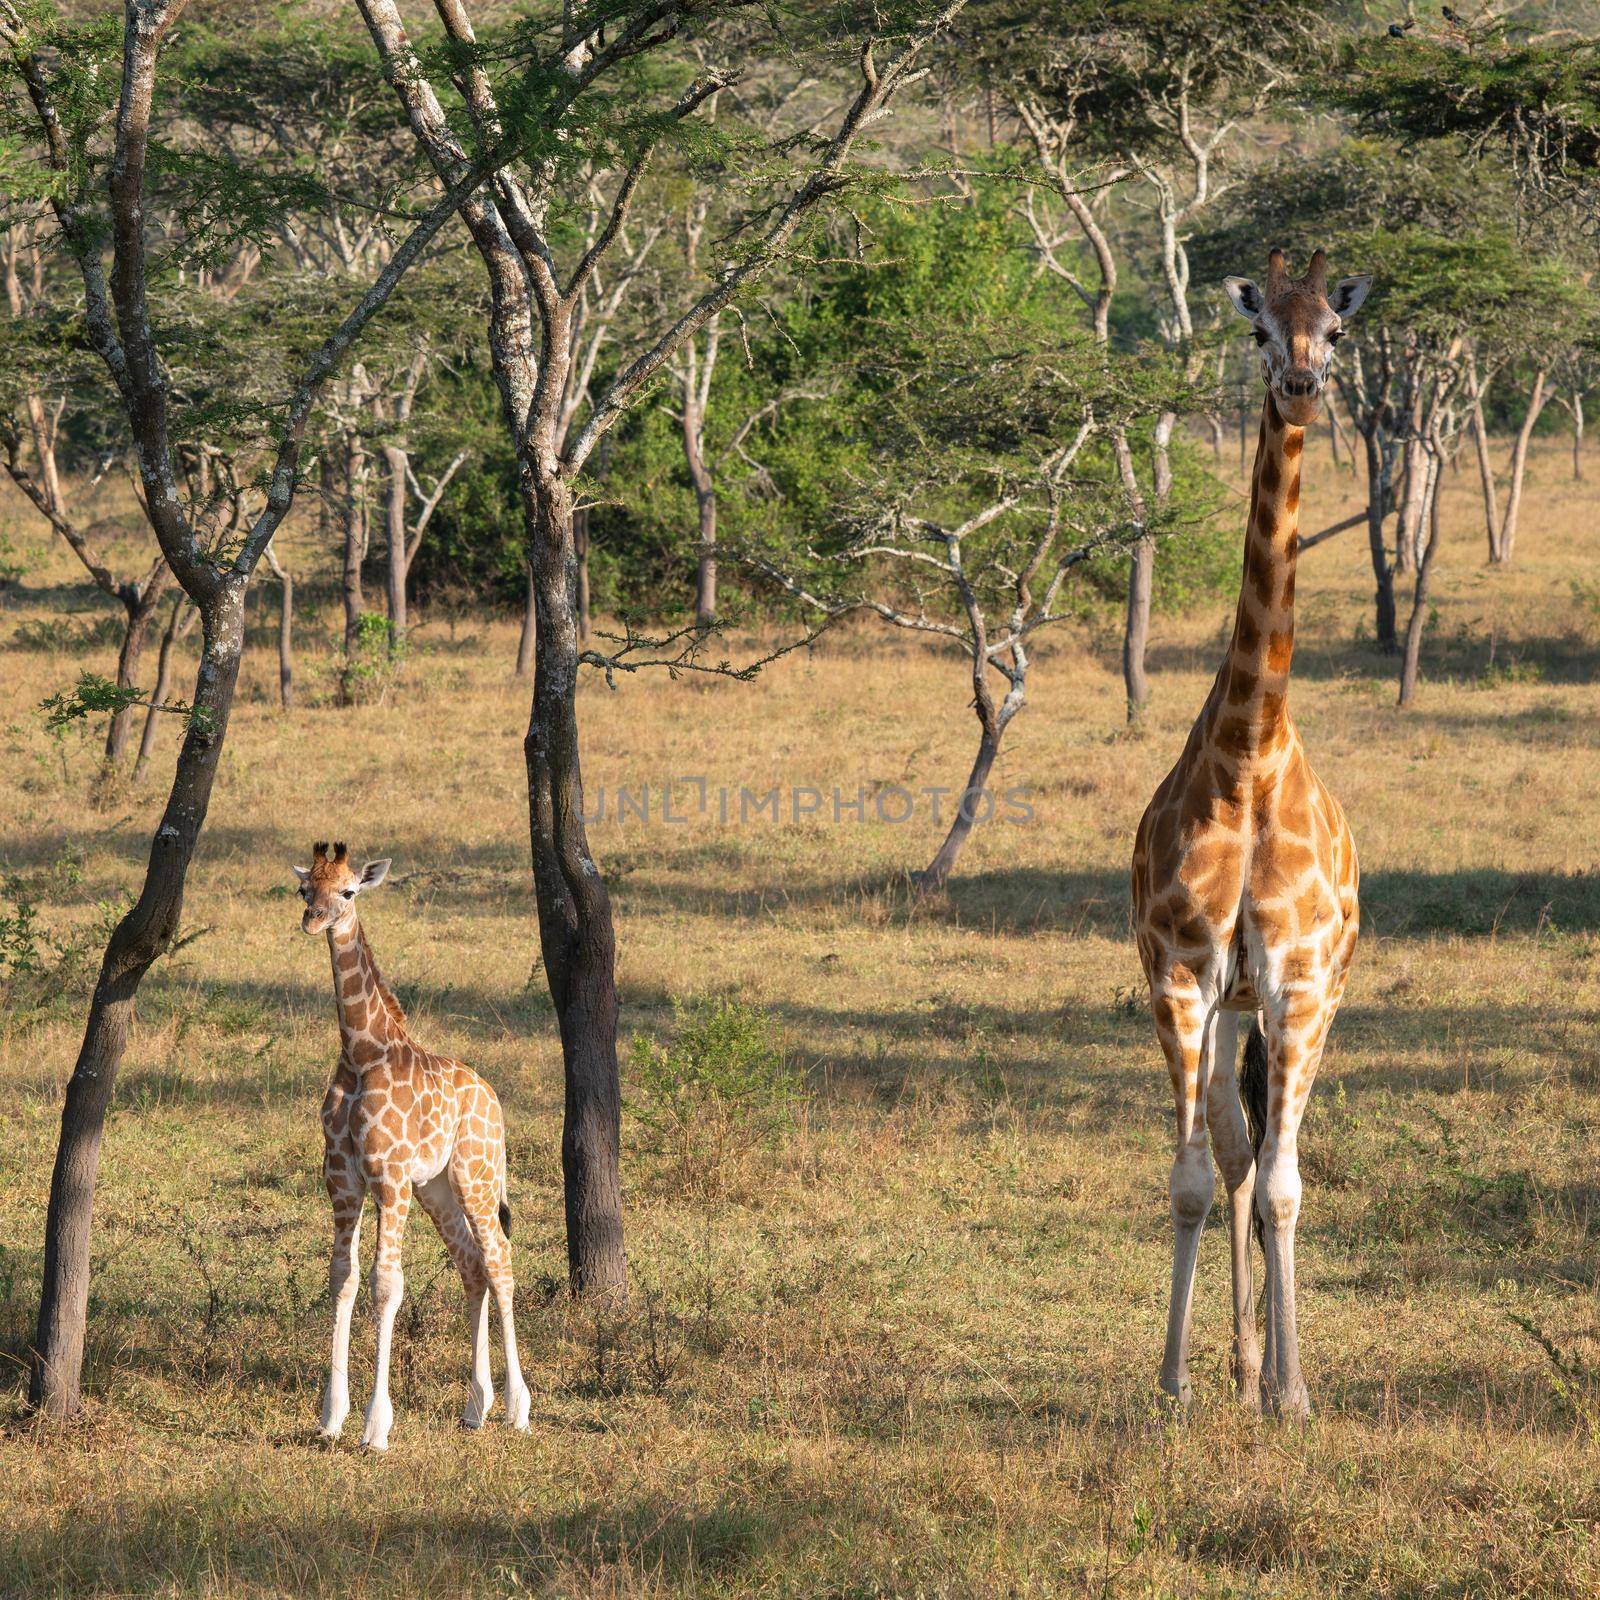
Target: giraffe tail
x,y
1253,1092
505,1203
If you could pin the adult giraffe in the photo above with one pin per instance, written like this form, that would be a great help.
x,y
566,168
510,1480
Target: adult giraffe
x,y
1244,883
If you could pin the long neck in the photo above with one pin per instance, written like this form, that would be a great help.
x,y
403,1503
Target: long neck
x,y
370,1019
1250,709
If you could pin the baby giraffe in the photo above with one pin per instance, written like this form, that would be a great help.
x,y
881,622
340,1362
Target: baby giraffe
x,y
399,1121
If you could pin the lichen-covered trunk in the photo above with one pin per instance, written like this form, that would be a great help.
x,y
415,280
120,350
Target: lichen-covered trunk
x,y
575,929
530,628
56,1378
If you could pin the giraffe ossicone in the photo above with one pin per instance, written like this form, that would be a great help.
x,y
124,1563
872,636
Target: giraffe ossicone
x,y
1245,884
400,1122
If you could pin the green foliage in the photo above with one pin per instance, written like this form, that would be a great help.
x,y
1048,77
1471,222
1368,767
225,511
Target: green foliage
x,y
67,635
95,695
378,654
721,1089
40,965
1475,83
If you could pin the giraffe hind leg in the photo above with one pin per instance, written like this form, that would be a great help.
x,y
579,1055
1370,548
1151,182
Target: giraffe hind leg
x,y
1235,1152
438,1198
478,1186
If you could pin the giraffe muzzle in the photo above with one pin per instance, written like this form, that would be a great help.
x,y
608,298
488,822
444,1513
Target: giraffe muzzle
x,y
1299,397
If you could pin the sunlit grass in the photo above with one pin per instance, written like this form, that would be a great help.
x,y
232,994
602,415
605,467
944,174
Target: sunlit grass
x,y
913,1345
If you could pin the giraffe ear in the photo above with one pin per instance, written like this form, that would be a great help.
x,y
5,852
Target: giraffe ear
x,y
374,873
1246,297
302,873
1348,294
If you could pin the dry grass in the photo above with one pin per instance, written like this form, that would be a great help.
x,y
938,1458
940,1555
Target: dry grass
x,y
913,1348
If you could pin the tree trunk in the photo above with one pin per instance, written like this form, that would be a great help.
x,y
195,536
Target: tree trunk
x,y
355,549
286,640
1577,434
575,929
580,549
396,460
530,630
1382,572
1419,605
1414,488
1480,439
141,608
169,637
1141,569
705,494
937,873
55,1384
1519,462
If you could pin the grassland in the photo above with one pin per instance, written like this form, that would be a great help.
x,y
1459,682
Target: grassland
x,y
911,1347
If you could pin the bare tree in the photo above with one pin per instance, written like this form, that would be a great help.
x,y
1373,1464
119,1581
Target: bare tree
x,y
120,331
1440,380
535,306
23,258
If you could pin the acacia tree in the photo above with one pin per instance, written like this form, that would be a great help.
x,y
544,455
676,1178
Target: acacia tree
x,y
1153,91
974,508
596,91
30,415
91,108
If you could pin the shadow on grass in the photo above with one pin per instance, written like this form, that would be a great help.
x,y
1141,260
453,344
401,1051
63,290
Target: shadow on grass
x,y
182,1542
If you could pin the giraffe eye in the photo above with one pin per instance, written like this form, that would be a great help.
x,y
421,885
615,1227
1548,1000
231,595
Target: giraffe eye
x,y
349,894
1336,336
1261,336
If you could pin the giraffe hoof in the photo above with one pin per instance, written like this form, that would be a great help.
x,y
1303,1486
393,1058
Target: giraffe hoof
x,y
518,1406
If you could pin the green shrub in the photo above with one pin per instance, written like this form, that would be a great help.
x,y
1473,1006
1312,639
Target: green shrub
x,y
719,1091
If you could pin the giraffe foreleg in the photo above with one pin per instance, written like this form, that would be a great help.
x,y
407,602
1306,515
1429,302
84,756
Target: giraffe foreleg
x,y
1230,1139
393,1198
347,1193
1185,1020
1294,1044
438,1198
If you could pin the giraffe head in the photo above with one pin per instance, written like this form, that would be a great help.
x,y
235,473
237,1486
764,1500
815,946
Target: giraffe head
x,y
329,886
1297,322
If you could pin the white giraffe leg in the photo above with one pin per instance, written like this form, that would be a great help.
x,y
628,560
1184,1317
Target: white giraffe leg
x,y
1230,1138
497,1262
1294,1047
1185,1020
438,1198
344,1274
388,1288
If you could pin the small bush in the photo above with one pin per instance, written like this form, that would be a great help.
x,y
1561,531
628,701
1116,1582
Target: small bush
x,y
371,665
719,1091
